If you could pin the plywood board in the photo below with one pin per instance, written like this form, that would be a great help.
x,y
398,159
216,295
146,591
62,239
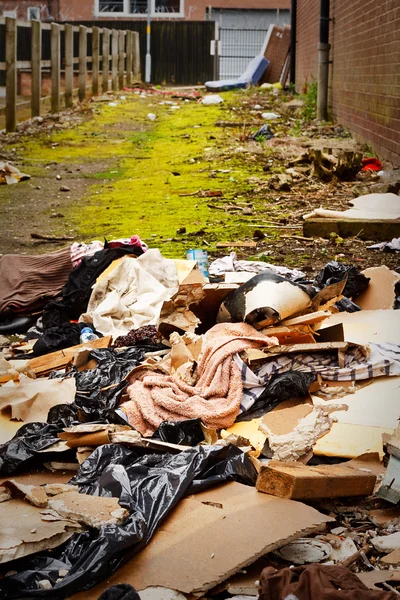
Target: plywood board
x,y
349,441
374,405
368,326
285,417
212,535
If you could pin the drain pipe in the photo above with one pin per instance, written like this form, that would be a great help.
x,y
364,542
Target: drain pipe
x,y
323,62
293,26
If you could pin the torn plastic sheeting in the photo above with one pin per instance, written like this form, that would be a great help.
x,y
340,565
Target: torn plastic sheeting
x,y
266,296
185,433
281,387
333,272
149,486
99,389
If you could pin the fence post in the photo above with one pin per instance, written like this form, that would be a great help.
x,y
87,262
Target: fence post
x,y
95,60
129,50
11,74
121,58
106,59
36,67
114,60
55,68
69,65
82,61
136,57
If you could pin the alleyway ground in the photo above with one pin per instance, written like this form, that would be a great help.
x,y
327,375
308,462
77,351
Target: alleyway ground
x,y
128,175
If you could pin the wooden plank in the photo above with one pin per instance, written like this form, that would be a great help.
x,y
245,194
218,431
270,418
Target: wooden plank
x,y
106,60
55,68
236,245
114,60
129,57
82,62
137,76
315,317
95,60
11,74
42,365
36,68
69,65
121,58
302,482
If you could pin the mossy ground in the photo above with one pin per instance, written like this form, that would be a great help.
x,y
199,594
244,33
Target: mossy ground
x,y
130,175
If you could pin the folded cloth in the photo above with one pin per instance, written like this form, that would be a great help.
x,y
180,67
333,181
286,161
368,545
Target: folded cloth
x,y
28,282
216,396
316,582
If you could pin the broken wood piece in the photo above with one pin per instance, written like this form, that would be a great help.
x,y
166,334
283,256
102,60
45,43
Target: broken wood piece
x,y
236,245
93,511
301,482
51,238
309,319
90,434
43,365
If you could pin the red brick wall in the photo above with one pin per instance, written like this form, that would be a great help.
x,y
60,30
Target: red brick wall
x,y
21,7
365,72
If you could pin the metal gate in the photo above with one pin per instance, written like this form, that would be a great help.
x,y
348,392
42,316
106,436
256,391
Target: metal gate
x,y
236,49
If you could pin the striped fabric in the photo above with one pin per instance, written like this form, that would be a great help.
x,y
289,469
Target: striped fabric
x,y
361,362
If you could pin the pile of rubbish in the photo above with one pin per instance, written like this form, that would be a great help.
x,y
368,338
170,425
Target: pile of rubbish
x,y
168,434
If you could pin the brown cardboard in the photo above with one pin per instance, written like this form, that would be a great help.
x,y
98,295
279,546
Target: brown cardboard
x,y
23,531
380,294
31,399
89,510
201,544
368,325
284,418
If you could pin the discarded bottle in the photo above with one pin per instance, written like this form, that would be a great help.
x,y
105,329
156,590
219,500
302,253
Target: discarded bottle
x,y
201,256
87,335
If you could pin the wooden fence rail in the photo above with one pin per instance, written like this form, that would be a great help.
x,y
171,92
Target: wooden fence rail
x,y
120,47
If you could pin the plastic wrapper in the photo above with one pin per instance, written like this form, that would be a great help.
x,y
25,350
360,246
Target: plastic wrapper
x,y
149,486
292,384
185,433
333,272
347,305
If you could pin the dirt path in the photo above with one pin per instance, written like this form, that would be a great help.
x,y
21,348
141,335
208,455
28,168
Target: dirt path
x,y
179,181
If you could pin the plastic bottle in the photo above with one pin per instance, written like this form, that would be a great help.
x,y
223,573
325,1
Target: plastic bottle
x,y
87,335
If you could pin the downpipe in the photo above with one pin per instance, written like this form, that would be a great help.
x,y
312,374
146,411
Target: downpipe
x,y
323,62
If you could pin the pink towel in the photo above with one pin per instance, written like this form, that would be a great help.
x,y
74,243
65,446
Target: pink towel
x,y
215,398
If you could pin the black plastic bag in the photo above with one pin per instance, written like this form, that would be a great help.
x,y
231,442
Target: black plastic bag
x,y
149,486
25,446
347,305
291,384
122,591
185,433
262,134
98,390
333,272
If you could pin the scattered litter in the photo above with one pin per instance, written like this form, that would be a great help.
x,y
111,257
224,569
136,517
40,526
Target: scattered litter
x,y
212,99
304,550
10,175
270,116
151,116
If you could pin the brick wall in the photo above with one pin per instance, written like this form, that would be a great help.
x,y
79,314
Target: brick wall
x,y
21,8
365,71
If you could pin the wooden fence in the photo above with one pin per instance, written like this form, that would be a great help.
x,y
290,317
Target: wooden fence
x,y
74,50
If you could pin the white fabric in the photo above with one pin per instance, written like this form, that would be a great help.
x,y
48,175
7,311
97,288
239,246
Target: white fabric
x,y
132,294
230,263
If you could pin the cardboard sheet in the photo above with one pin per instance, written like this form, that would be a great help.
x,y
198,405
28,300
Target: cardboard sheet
x,y
371,206
212,535
380,294
349,441
23,531
31,399
373,405
368,326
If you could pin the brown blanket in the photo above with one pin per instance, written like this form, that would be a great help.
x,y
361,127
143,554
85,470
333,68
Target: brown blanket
x,y
28,282
216,396
316,582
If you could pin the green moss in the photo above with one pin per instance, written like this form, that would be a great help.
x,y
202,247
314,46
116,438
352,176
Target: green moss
x,y
157,173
